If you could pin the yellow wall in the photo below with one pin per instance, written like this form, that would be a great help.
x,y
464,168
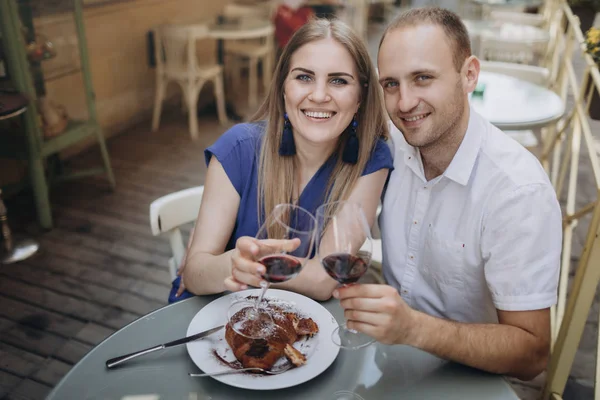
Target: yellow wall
x,y
117,46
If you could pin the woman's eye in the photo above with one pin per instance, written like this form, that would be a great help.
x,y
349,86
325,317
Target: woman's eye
x,y
304,78
339,81
390,84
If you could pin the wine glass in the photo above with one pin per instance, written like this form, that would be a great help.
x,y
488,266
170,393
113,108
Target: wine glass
x,y
286,243
345,246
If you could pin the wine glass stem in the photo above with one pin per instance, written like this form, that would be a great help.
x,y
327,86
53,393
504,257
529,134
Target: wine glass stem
x,y
345,285
264,286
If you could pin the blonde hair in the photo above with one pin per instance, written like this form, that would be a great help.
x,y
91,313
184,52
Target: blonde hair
x,y
276,174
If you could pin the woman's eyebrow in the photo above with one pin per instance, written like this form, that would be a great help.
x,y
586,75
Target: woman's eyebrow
x,y
308,71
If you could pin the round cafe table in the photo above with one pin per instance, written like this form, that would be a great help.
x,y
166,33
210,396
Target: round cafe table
x,y
514,104
374,373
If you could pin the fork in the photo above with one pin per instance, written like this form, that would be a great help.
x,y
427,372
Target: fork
x,y
235,371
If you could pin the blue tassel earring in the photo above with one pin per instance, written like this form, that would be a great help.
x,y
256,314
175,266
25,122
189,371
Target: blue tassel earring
x,y
350,154
287,146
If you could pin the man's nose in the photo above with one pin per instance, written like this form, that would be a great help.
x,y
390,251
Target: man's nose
x,y
407,101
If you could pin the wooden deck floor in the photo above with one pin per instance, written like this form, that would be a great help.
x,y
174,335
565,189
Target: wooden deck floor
x,y
100,268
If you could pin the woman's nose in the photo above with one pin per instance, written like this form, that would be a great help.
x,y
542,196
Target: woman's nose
x,y
319,93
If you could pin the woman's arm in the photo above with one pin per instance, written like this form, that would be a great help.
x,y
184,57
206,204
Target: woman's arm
x,y
312,281
207,265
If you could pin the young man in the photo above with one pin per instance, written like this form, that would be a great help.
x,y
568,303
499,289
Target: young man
x,y
471,225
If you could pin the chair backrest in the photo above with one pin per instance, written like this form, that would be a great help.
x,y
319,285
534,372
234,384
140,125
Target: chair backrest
x,y
530,73
168,213
176,47
505,49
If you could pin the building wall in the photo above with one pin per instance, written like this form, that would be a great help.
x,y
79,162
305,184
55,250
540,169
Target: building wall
x,y
117,45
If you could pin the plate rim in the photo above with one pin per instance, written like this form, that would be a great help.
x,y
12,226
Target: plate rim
x,y
272,292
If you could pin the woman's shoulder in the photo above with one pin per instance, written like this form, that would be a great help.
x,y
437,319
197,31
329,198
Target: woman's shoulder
x,y
241,138
381,157
382,149
247,131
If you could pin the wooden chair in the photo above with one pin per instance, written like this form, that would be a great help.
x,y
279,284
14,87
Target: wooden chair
x,y
541,19
167,215
176,61
562,158
257,47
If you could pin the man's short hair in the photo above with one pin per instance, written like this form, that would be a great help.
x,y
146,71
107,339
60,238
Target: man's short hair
x,y
453,27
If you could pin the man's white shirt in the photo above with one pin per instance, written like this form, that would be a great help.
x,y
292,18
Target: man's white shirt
x,y
485,235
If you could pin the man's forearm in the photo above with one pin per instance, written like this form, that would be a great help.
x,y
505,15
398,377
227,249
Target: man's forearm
x,y
497,348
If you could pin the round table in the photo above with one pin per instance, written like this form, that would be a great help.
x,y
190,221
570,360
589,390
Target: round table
x,y
514,104
240,28
374,373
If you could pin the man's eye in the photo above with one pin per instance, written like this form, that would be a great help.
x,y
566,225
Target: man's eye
x,y
390,84
423,78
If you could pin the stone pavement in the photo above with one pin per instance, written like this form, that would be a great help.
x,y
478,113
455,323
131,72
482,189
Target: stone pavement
x,y
580,384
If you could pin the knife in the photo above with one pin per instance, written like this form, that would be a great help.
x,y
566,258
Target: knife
x,y
121,359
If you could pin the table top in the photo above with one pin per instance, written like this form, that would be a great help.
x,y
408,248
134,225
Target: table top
x,y
507,31
240,28
512,103
375,372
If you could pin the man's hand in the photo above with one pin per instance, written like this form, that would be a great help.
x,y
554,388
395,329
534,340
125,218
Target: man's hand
x,y
517,346
378,311
245,270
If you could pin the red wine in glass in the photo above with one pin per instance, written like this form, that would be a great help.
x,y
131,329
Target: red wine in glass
x,y
345,268
345,247
280,268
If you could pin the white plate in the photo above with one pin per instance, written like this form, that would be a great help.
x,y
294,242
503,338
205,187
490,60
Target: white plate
x,y
320,350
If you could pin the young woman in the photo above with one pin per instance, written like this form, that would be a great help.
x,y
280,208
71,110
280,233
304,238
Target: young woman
x,y
318,137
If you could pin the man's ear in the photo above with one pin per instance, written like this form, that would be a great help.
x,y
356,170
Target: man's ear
x,y
470,73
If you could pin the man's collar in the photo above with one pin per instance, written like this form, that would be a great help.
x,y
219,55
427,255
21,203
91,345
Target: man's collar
x,y
462,163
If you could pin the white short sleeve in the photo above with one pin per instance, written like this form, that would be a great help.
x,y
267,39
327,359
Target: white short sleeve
x,y
521,246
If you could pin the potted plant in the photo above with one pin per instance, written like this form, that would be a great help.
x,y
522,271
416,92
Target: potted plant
x,y
586,11
592,44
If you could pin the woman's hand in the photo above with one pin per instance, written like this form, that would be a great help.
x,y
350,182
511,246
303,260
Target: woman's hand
x,y
245,269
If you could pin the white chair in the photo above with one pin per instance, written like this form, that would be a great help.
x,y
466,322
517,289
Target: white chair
x,y
169,213
176,61
537,20
542,19
355,14
513,50
257,47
